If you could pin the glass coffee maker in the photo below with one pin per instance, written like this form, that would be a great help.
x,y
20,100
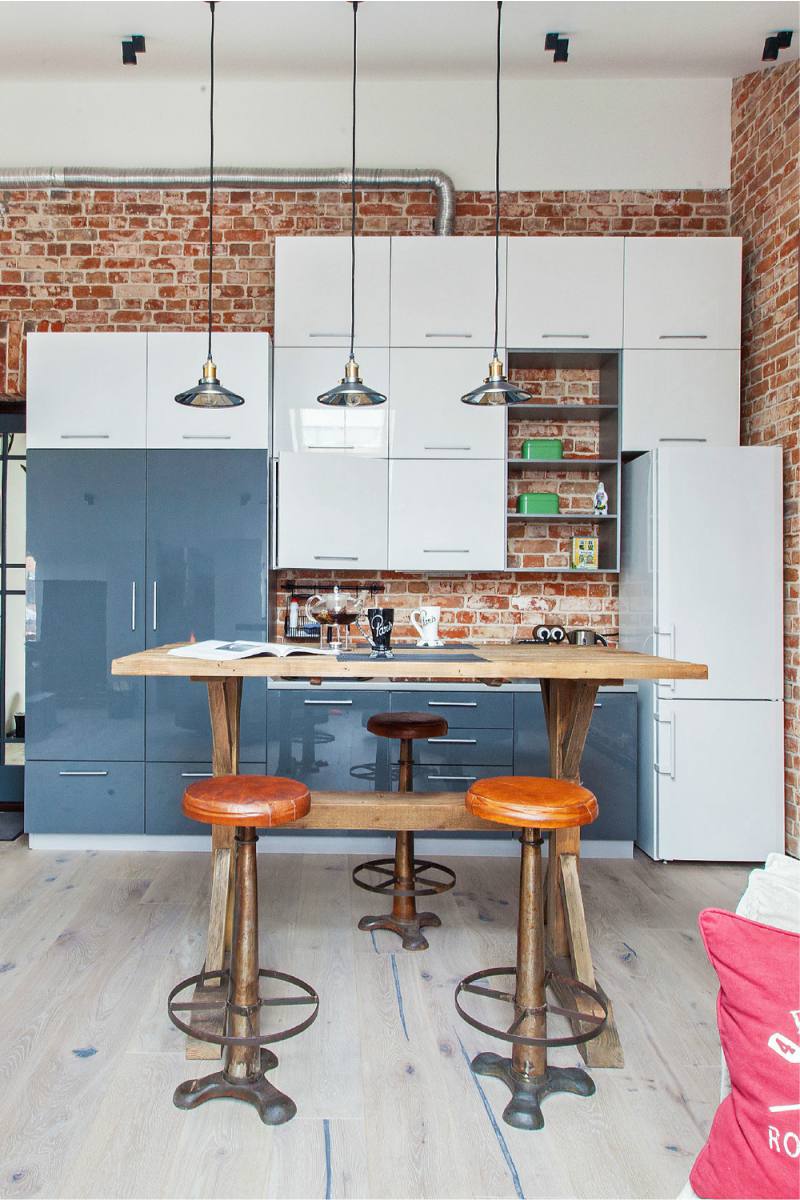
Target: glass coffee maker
x,y
337,612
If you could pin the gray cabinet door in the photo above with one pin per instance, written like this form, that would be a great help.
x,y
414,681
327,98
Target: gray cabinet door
x,y
84,797
461,709
609,758
165,783
321,738
86,530
207,521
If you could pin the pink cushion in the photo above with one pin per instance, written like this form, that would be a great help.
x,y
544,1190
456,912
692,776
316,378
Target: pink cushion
x,y
753,1149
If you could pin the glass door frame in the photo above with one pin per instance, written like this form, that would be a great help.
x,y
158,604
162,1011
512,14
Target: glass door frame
x,y
12,422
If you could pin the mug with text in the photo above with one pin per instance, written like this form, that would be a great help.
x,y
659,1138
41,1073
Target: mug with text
x,y
426,622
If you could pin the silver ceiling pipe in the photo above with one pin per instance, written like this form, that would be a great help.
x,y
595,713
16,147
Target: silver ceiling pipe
x,y
310,178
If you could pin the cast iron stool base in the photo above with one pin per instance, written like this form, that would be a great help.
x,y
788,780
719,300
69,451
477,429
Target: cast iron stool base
x,y
409,930
524,1110
272,1106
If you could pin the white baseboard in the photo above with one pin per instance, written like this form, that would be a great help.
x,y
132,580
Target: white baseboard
x,y
491,845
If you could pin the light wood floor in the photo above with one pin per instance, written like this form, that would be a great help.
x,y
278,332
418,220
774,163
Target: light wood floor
x,y
91,943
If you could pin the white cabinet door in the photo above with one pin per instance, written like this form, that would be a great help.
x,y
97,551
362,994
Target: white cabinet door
x,y
443,291
175,363
719,767
683,292
428,419
86,390
332,511
300,422
565,292
312,291
447,515
680,396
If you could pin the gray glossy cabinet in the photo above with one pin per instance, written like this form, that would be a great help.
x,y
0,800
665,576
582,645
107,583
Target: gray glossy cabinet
x,y
86,546
84,797
609,759
165,783
207,521
321,738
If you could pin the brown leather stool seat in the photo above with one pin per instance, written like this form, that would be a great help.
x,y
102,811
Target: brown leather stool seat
x,y
404,877
531,804
249,802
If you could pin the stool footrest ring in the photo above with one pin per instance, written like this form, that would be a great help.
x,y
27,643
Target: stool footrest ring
x,y
391,887
309,996
470,985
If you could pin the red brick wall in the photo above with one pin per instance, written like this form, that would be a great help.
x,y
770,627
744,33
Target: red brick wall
x,y
135,260
765,212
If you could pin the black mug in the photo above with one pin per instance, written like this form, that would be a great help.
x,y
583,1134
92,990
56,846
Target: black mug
x,y
381,624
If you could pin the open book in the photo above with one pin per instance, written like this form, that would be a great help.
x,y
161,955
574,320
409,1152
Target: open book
x,y
224,651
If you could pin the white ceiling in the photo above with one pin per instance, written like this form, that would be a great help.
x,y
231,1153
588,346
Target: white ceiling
x,y
399,39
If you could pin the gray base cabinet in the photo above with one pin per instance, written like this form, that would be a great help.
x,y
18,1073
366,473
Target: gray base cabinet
x,y
165,784
84,797
321,739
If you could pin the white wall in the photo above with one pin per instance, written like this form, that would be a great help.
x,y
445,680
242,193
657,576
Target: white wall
x,y
576,134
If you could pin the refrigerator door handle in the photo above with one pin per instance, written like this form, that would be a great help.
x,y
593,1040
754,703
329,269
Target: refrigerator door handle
x,y
670,771
669,632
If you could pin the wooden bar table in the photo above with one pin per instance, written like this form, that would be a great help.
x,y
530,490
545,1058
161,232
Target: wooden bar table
x,y
569,677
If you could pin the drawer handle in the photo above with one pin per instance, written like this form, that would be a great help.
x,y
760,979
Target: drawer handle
x,y
206,437
452,335
310,447
338,703
694,337
341,335
70,436
565,335
452,704
447,447
461,778
336,558
454,741
83,773
682,439
197,775
425,551
597,704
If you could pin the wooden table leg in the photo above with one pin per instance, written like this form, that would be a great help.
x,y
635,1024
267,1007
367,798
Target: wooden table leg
x,y
568,708
224,704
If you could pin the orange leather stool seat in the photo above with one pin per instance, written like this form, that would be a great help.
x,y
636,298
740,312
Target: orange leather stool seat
x,y
531,802
253,801
404,725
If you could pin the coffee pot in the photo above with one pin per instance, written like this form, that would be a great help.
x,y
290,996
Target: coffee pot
x,y
586,637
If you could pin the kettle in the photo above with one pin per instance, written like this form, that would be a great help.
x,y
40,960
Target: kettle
x,y
586,637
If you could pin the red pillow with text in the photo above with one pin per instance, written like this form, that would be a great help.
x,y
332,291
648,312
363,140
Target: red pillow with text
x,y
753,1149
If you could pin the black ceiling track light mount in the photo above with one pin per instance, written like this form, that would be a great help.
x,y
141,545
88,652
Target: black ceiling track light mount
x,y
558,45
776,42
132,46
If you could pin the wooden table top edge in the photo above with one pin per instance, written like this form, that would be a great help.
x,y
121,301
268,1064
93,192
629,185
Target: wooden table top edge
x,y
508,661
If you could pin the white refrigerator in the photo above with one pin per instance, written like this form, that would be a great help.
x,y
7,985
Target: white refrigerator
x,y
701,579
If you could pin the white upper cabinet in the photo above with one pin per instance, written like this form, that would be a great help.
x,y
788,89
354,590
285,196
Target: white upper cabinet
x,y
175,363
300,422
565,292
447,516
679,396
443,291
331,512
427,417
86,390
312,291
683,293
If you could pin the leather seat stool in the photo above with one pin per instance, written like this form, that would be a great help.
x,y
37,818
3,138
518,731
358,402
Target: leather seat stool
x,y
404,877
532,805
249,802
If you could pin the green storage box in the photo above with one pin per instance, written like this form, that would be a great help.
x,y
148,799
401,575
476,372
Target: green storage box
x,y
543,448
529,503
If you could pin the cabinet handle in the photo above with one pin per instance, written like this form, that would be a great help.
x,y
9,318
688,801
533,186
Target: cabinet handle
x,y
425,551
597,704
66,437
155,604
206,437
447,447
342,335
452,335
671,769
83,773
454,741
673,641
197,775
133,605
565,335
338,703
461,778
336,558
682,439
310,447
452,704
694,337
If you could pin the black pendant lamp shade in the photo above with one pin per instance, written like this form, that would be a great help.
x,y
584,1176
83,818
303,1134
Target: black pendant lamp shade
x,y
351,391
209,392
495,388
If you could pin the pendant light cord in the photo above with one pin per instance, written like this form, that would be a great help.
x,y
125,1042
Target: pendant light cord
x,y
497,184
212,6
353,190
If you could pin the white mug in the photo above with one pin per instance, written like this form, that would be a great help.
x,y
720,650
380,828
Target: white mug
x,y
426,622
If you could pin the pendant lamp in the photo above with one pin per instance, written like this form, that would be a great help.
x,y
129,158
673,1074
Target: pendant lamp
x,y
209,392
352,392
495,388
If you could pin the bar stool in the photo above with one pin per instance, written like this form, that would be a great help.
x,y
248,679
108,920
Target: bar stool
x,y
532,805
405,876
249,802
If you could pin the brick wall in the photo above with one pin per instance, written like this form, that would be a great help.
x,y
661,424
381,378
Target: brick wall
x,y
765,212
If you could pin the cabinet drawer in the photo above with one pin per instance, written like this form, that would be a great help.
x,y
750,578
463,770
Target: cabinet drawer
x,y
165,785
84,797
461,710
453,777
301,423
485,746
321,738
312,291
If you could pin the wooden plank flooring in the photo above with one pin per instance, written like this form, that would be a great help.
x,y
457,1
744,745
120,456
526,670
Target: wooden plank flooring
x,y
90,944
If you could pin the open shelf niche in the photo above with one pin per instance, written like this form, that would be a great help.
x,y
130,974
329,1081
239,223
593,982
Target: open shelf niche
x,y
576,397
